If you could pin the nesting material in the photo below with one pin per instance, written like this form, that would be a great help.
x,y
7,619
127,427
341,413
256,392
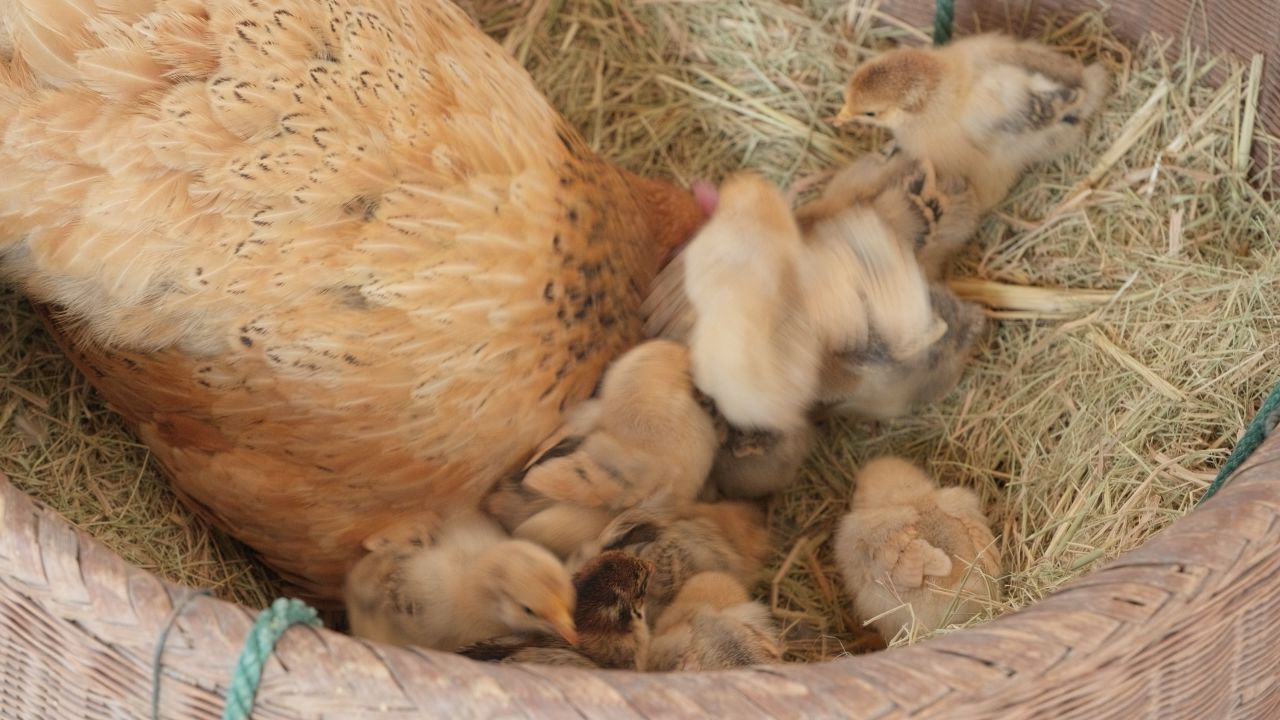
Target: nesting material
x,y
1133,283
60,444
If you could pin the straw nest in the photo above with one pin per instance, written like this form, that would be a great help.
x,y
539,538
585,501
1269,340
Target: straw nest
x,y
1134,283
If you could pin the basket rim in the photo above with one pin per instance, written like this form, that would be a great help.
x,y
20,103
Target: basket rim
x,y
1157,607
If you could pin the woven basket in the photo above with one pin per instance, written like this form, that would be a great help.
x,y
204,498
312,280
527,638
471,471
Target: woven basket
x,y
1188,626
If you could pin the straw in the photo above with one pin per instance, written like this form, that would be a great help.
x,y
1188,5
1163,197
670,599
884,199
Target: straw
x,y
1132,284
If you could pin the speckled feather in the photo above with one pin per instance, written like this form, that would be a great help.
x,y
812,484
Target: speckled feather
x,y
335,260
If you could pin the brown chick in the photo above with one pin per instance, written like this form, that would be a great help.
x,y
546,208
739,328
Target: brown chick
x,y
645,436
296,243
683,540
610,618
713,625
984,107
915,557
462,582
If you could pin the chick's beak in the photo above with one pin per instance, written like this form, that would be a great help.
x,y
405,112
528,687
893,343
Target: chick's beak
x,y
563,624
844,117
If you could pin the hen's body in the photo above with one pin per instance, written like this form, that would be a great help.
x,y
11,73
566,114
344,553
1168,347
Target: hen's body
x,y
338,262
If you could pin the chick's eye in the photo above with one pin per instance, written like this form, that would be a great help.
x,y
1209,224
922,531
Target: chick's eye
x,y
527,610
870,113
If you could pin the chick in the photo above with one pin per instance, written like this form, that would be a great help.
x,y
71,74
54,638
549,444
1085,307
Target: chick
x,y
736,297
888,339
934,215
683,540
888,331
914,556
754,464
871,381
750,345
610,618
713,625
985,107
465,582
645,435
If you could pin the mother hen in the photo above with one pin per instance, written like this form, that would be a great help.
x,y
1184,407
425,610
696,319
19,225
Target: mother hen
x,y
338,261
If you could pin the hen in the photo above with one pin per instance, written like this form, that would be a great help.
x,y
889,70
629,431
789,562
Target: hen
x,y
338,262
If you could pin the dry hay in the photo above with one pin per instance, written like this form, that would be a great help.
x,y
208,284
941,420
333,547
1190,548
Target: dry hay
x,y
1134,282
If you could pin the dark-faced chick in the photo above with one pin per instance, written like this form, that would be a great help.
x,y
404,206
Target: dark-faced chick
x,y
610,620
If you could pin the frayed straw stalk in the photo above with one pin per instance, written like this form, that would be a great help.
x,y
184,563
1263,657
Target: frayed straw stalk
x,y
1133,286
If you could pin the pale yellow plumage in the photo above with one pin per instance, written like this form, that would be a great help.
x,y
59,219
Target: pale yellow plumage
x,y
984,107
915,557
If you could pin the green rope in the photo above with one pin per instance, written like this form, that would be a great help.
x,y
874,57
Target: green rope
x,y
1262,425
267,629
944,19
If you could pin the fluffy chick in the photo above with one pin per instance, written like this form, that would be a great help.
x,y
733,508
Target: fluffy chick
x,y
888,338
684,540
934,215
985,106
754,464
871,381
893,338
645,435
914,556
750,345
713,625
735,296
463,582
610,618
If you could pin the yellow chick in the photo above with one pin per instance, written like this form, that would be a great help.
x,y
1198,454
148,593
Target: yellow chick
x,y
750,345
684,540
933,215
644,436
915,557
735,295
886,338
985,107
465,581
610,618
713,625
888,331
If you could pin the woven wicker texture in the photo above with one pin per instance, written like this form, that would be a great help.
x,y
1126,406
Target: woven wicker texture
x,y
1188,626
